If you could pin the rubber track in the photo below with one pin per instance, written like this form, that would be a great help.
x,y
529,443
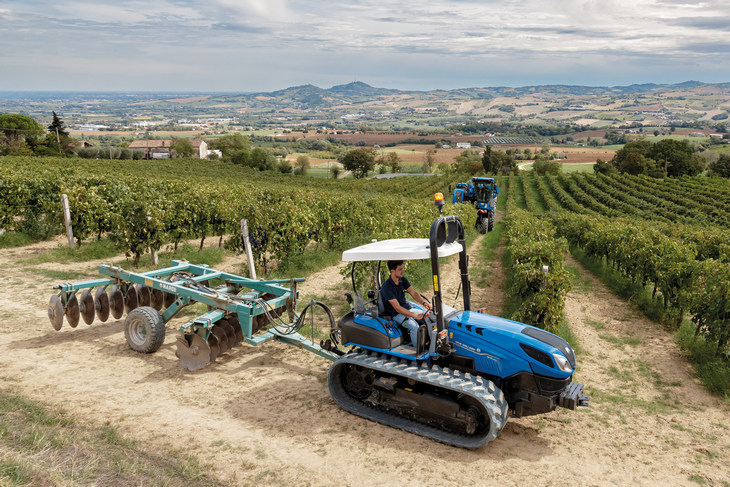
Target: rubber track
x,y
477,387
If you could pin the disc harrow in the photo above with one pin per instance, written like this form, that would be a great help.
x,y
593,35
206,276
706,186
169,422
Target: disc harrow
x,y
239,309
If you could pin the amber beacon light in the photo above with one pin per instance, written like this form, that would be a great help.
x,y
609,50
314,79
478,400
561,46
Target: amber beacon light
x,y
438,200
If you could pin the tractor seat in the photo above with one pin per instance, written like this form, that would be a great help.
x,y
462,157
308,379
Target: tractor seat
x,y
381,308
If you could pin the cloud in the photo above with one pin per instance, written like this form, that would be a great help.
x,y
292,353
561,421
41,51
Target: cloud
x,y
254,44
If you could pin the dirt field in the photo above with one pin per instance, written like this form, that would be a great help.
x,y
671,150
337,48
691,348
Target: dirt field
x,y
263,416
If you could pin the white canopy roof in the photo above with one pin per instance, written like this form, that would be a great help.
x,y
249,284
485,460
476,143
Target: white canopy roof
x,y
398,249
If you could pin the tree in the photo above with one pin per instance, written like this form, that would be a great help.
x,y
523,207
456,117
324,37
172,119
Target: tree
x,y
58,140
302,165
283,166
234,148
19,134
392,159
721,167
182,147
675,157
603,167
487,160
261,159
57,126
497,160
543,166
430,159
359,161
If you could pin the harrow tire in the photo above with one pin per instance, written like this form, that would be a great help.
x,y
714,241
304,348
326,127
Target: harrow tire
x,y
144,329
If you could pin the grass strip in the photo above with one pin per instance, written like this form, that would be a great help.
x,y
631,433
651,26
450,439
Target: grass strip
x,y
712,371
41,445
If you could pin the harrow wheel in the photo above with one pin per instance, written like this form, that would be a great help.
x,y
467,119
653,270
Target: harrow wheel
x,y
144,329
72,311
86,307
144,297
131,300
157,298
193,351
101,304
55,312
116,302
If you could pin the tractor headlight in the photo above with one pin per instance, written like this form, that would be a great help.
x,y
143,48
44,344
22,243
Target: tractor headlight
x,y
562,362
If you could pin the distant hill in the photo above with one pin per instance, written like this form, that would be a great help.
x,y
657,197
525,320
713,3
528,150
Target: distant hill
x,y
360,104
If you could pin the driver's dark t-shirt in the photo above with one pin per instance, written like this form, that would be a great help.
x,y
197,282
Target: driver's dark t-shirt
x,y
390,290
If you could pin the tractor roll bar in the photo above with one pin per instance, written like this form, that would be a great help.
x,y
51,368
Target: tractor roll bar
x,y
447,229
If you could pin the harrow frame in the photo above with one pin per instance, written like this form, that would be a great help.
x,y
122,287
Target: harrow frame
x,y
238,296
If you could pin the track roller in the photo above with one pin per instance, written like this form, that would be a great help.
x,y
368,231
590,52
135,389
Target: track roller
x,y
448,406
72,311
55,312
116,302
101,305
86,307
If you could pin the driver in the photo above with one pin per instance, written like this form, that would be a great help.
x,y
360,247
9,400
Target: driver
x,y
392,292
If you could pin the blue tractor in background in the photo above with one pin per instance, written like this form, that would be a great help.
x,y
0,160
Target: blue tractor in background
x,y
482,192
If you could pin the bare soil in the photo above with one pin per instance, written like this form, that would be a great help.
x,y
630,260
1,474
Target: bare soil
x,y
264,416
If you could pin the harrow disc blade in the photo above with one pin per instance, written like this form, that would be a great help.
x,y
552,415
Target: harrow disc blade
x,y
144,297
101,305
116,302
230,332
55,312
86,307
194,354
233,321
214,347
222,339
72,311
131,301
157,299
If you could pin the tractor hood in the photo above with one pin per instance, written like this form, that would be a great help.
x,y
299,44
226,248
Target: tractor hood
x,y
505,344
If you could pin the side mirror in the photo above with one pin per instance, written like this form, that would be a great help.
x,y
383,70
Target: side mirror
x,y
348,297
371,294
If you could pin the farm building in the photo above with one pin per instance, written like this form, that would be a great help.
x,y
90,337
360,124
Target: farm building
x,y
160,148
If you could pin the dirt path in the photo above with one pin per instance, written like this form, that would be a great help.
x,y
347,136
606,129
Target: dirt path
x,y
263,416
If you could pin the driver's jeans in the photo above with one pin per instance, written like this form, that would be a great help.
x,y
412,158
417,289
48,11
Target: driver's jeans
x,y
411,324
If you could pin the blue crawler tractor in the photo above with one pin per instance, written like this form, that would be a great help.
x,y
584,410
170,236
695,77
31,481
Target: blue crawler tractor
x,y
458,384
467,372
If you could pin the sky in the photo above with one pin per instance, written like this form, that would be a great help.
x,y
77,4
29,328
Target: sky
x,y
266,45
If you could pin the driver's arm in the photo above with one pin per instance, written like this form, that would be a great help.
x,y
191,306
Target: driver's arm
x,y
405,312
418,298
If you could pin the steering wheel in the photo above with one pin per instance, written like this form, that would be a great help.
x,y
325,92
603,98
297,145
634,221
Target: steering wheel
x,y
428,318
